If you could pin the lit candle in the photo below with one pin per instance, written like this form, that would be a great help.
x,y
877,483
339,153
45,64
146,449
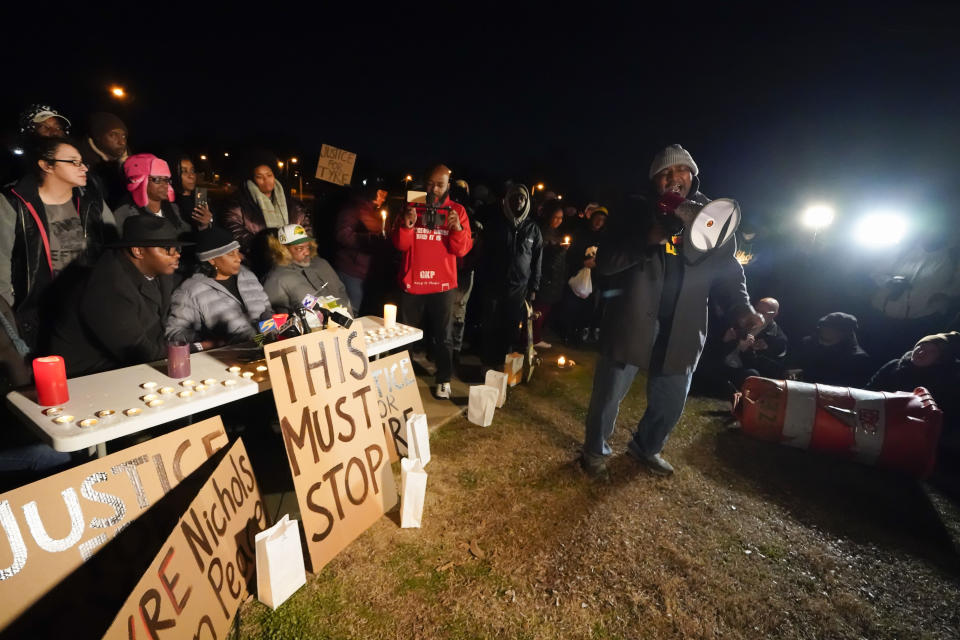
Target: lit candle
x,y
561,362
566,241
50,377
389,316
383,225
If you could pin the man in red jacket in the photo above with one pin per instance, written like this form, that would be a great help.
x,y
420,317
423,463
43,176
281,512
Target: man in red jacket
x,y
431,239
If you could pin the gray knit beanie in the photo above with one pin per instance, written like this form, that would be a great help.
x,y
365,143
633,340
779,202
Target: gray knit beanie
x,y
669,156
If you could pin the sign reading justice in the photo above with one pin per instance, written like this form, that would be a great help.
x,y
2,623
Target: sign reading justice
x,y
398,398
327,405
54,525
335,165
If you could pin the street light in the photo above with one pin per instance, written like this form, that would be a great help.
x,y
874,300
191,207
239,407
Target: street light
x,y
203,157
818,216
226,154
540,186
293,161
118,92
280,163
559,197
880,229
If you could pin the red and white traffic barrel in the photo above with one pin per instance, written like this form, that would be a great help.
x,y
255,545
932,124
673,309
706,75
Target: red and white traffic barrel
x,y
896,431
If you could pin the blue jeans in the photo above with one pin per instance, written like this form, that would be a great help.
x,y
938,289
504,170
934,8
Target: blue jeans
x,y
354,287
666,395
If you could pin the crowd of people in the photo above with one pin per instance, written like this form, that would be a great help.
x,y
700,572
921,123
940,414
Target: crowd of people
x,y
106,256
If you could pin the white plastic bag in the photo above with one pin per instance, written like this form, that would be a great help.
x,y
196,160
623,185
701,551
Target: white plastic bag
x,y
497,380
417,435
483,403
581,283
414,482
280,569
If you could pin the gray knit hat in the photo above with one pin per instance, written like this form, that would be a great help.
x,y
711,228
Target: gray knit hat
x,y
669,156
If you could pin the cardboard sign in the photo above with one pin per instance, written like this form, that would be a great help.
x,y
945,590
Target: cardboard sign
x,y
398,397
54,525
335,165
338,454
196,583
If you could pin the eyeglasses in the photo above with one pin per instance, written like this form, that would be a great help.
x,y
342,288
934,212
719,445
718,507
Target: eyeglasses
x,y
160,179
76,163
170,251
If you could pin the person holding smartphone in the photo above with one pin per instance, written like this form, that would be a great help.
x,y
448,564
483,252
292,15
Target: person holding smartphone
x,y
191,199
431,238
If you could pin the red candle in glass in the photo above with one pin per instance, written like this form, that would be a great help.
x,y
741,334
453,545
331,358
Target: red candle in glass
x,y
50,377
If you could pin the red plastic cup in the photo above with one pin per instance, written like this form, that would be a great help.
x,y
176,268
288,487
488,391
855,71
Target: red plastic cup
x,y
178,359
50,377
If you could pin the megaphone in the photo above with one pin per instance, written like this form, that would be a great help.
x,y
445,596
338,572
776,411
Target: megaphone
x,y
707,228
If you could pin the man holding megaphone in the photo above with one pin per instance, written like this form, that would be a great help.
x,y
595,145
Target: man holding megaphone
x,y
666,254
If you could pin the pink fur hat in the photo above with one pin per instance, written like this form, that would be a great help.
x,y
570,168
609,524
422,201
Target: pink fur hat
x,y
138,168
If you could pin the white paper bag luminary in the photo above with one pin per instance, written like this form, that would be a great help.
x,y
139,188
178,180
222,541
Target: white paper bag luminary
x,y
280,570
414,489
513,367
497,380
417,435
483,403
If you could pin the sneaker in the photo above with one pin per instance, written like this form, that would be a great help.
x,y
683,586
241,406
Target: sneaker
x,y
443,390
655,463
596,468
543,344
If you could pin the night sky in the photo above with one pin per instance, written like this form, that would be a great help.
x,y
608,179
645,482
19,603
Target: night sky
x,y
855,103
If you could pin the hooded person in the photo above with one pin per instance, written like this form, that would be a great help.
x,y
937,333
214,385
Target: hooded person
x,y
510,265
832,355
222,302
656,317
150,192
105,150
261,203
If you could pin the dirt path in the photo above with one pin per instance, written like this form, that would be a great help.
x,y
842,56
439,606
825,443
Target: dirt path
x,y
747,540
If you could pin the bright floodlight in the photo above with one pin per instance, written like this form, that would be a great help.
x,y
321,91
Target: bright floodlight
x,y
880,229
818,216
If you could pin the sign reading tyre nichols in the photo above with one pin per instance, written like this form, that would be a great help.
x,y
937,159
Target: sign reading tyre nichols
x,y
327,404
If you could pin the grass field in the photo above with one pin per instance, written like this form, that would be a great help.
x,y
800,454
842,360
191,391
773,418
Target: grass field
x,y
746,540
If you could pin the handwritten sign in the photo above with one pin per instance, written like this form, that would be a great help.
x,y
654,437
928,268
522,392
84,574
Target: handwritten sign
x,y
335,445
335,165
196,583
54,525
397,398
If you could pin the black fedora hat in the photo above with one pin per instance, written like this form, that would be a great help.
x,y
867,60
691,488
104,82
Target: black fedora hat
x,y
149,231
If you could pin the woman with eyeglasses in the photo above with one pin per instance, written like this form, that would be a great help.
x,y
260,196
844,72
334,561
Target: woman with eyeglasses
x,y
151,193
52,224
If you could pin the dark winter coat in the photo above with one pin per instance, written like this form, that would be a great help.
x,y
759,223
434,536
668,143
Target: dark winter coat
x,y
843,364
553,270
512,256
631,324
115,319
942,380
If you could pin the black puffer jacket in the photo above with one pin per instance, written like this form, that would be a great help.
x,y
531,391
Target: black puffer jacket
x,y
30,276
553,273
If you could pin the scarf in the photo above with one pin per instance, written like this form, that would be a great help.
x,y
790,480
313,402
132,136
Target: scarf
x,y
274,208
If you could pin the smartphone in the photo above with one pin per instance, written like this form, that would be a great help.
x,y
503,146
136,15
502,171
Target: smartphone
x,y
202,197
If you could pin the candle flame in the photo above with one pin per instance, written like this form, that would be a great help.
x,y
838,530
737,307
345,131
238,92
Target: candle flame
x,y
383,213
561,361
566,239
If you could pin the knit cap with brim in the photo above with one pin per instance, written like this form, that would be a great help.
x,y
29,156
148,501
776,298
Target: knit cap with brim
x,y
214,242
950,342
102,123
669,156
